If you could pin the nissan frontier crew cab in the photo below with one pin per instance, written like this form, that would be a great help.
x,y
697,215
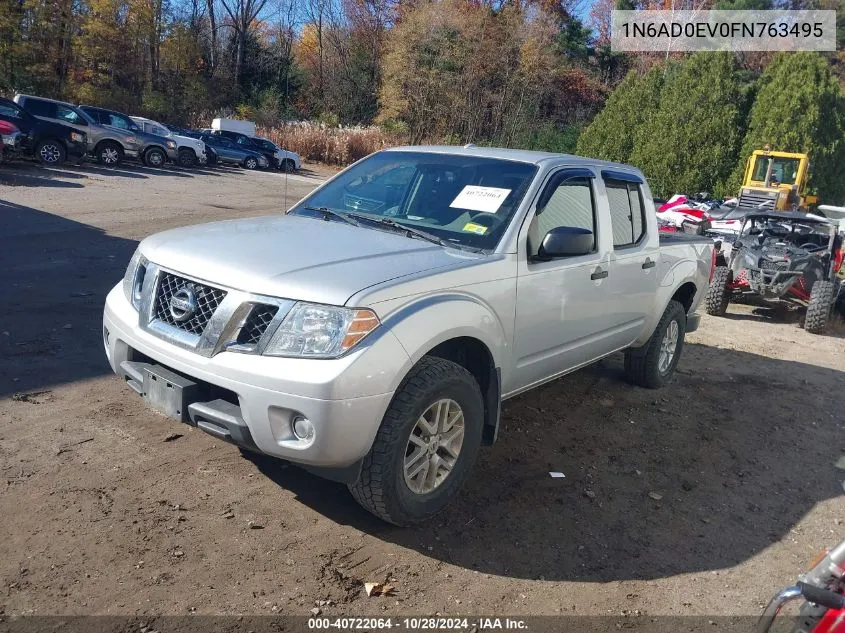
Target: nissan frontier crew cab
x,y
371,333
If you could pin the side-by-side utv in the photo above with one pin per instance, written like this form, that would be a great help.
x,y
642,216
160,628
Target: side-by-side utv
x,y
780,257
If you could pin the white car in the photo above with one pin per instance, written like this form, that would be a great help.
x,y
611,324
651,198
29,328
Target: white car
x,y
285,160
191,150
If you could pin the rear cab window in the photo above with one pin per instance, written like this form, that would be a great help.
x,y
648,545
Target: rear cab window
x,y
627,211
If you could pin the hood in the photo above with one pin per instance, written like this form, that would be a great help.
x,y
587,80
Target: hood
x,y
188,140
295,258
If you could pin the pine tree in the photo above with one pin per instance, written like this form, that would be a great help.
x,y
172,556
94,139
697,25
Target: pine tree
x,y
691,143
799,108
610,135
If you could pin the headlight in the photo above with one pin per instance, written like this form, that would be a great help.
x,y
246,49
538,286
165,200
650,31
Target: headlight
x,y
133,280
318,331
77,137
171,144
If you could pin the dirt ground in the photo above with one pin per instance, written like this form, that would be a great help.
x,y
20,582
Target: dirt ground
x,y
701,499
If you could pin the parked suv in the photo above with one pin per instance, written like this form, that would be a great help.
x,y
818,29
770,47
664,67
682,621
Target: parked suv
x,y
48,142
190,151
107,144
281,158
248,143
227,151
154,149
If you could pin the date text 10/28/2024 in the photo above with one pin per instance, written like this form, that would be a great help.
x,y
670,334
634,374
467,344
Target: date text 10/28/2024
x,y
418,624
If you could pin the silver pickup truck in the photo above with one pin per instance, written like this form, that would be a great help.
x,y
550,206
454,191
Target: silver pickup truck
x,y
371,333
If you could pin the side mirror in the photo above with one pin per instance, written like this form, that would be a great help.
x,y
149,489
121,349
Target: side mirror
x,y
566,241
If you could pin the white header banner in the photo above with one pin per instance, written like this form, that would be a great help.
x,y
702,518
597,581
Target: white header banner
x,y
685,31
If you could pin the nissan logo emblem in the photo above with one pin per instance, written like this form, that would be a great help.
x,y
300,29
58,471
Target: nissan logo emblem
x,y
183,304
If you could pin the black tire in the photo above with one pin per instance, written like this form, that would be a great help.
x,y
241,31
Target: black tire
x,y
250,162
109,153
642,364
381,488
155,157
187,157
818,310
50,152
287,166
718,295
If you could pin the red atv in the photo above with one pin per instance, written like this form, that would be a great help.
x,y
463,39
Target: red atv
x,y
823,590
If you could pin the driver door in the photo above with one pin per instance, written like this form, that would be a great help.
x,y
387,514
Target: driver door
x,y
560,320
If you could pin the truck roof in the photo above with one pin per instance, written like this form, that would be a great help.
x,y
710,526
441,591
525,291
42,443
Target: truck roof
x,y
520,155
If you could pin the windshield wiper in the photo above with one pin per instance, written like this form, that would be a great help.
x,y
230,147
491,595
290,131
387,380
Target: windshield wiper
x,y
407,230
331,213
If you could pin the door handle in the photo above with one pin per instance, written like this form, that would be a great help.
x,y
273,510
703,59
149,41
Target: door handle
x,y
598,273
649,263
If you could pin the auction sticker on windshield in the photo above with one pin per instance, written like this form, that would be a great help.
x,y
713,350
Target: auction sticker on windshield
x,y
476,198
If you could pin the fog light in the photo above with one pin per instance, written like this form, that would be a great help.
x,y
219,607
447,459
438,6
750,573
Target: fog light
x,y
302,428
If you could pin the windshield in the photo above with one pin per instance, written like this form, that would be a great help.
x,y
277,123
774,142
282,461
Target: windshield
x,y
784,170
464,200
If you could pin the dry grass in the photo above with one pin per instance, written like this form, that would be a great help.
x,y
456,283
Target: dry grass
x,y
330,145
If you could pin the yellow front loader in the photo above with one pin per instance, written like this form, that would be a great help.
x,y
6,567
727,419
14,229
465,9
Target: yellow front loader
x,y
776,181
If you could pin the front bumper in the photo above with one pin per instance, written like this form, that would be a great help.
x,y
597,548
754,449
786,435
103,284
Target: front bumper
x,y
344,398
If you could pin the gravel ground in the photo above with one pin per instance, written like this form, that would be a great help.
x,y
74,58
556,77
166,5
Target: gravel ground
x,y
700,499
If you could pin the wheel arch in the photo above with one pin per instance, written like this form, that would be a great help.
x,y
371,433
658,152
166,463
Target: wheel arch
x,y
109,141
475,339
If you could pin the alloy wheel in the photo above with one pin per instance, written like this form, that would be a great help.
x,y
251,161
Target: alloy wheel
x,y
50,153
434,446
668,347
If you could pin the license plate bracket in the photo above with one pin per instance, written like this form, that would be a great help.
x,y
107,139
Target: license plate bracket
x,y
168,392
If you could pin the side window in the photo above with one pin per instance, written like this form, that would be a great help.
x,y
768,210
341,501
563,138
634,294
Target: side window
x,y
9,111
39,108
570,204
114,120
66,114
627,216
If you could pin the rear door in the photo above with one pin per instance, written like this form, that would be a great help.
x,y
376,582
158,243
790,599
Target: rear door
x,y
632,284
561,321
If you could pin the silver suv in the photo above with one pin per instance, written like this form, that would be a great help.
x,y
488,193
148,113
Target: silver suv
x,y
109,145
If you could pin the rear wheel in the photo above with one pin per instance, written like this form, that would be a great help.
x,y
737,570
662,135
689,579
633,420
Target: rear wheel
x,y
718,295
187,157
155,157
426,444
109,153
818,310
653,364
250,162
50,152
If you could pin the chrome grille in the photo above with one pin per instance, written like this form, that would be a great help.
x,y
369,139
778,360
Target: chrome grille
x,y
256,324
207,298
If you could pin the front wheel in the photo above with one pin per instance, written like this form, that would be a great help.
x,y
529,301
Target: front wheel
x,y
187,158
819,307
653,364
155,157
50,153
287,166
718,294
426,444
250,162
109,154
